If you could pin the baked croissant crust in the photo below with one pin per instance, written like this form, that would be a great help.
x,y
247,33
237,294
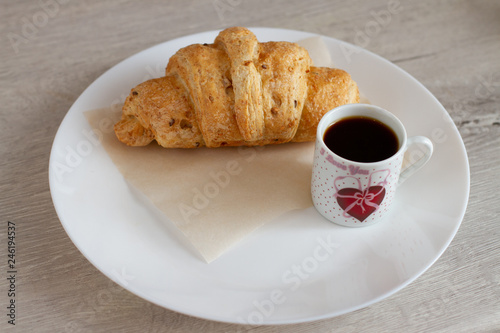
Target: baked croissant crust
x,y
234,92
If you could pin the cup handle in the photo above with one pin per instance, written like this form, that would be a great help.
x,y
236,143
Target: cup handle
x,y
424,154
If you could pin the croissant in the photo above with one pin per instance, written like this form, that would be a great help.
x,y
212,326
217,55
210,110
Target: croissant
x,y
234,92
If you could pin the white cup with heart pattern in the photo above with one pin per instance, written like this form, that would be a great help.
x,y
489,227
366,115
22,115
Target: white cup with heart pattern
x,y
350,191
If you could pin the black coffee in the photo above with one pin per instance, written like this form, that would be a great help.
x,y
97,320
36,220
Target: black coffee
x,y
361,139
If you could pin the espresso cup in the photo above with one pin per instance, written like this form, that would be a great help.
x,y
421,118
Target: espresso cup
x,y
353,193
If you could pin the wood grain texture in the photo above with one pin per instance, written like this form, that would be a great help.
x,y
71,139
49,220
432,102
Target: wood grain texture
x,y
452,47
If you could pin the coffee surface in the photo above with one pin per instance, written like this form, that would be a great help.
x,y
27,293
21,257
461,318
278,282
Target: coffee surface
x,y
361,139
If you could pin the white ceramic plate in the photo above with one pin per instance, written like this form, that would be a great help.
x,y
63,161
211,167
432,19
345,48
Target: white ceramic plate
x,y
298,268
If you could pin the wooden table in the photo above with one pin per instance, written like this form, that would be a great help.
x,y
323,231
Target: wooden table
x,y
51,50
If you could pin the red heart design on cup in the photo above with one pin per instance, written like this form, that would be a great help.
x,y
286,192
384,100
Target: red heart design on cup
x,y
360,204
